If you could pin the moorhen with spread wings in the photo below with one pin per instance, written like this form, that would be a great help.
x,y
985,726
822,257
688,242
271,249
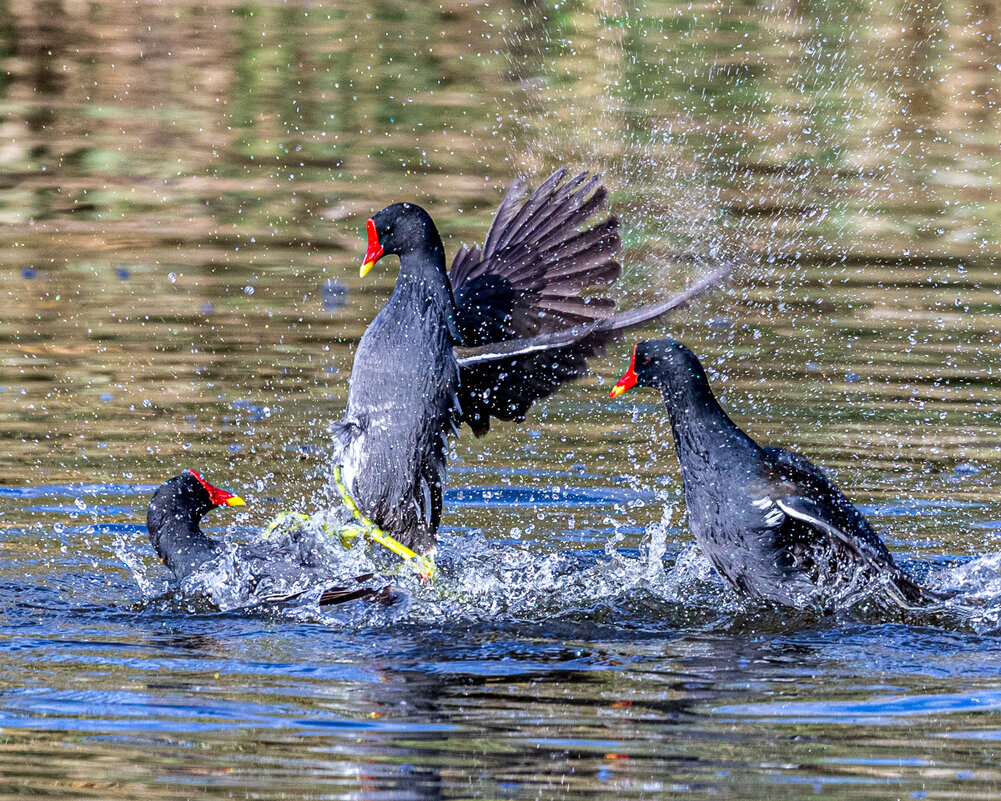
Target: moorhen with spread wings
x,y
506,327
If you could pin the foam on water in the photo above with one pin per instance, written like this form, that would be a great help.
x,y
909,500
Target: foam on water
x,y
644,578
978,580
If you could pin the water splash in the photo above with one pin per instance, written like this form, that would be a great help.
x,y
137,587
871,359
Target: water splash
x,y
643,580
978,584
132,548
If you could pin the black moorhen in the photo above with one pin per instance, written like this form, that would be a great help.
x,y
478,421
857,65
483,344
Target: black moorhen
x,y
517,306
173,519
768,519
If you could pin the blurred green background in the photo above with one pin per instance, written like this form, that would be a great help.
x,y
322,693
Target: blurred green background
x,y
183,191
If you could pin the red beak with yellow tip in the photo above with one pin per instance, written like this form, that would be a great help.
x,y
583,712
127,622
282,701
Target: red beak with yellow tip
x,y
374,252
219,497
628,380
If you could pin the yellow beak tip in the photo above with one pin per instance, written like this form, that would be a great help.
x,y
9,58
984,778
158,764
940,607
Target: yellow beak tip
x,y
365,268
616,391
236,500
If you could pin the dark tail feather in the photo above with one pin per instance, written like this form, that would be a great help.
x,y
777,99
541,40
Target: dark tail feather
x,y
343,595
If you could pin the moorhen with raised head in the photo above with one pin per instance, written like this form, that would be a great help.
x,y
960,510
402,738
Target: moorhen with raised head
x,y
769,520
516,307
173,522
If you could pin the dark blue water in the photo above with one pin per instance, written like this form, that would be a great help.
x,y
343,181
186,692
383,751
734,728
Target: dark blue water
x,y
528,672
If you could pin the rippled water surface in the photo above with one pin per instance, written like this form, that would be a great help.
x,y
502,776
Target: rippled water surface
x,y
182,197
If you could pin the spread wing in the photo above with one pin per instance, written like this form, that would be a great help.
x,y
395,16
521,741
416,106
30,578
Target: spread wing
x,y
528,277
521,301
504,379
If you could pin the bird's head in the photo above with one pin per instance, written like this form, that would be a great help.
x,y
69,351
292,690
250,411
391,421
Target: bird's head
x,y
400,229
665,364
189,491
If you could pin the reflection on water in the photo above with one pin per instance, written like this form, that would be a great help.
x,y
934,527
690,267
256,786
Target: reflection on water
x,y
182,192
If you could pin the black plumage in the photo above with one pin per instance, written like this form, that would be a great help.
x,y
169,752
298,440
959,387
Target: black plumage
x,y
771,522
402,398
173,522
508,326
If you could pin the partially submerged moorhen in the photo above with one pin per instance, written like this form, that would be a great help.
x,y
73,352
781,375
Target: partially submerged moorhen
x,y
769,520
508,326
173,522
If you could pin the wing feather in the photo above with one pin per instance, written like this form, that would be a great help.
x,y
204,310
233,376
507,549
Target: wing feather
x,y
523,301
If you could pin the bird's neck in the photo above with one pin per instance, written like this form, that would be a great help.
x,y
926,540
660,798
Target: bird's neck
x,y
704,435
423,267
422,278
176,536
